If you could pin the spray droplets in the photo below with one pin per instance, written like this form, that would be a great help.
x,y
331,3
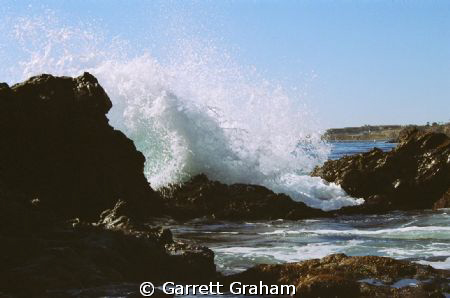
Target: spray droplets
x,y
197,112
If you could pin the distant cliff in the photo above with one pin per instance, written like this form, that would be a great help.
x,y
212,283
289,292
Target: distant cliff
x,y
379,132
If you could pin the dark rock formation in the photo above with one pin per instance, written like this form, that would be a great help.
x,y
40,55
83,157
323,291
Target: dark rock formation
x,y
342,276
185,262
444,201
200,197
414,175
55,257
57,146
61,165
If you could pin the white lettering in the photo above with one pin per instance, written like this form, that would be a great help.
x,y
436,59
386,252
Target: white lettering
x,y
235,288
238,288
166,290
290,290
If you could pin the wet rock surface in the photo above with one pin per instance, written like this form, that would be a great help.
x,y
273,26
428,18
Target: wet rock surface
x,y
201,197
341,276
415,175
77,255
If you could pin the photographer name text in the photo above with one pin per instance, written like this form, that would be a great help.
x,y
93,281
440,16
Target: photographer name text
x,y
236,288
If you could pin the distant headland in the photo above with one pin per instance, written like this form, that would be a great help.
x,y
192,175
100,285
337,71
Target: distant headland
x,y
379,132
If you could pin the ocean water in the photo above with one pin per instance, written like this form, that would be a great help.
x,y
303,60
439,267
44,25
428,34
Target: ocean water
x,y
419,236
422,237
341,148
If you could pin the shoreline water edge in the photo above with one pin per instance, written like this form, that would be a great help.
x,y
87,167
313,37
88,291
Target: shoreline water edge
x,y
76,209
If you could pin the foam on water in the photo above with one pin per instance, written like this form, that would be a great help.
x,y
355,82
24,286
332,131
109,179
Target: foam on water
x,y
419,236
437,264
288,254
413,232
197,112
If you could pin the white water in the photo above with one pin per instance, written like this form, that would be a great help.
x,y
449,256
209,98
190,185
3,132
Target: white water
x,y
197,112
421,236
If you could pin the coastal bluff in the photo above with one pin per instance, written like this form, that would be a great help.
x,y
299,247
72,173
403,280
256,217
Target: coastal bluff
x,y
380,132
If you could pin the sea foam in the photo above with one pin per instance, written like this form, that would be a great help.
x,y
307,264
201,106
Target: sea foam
x,y
194,111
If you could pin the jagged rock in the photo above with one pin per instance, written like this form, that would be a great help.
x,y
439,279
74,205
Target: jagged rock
x,y
414,175
58,147
201,197
61,165
118,219
55,257
341,276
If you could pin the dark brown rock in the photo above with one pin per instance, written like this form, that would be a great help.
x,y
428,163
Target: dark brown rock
x,y
342,276
55,257
201,197
444,201
414,175
58,147
327,285
61,165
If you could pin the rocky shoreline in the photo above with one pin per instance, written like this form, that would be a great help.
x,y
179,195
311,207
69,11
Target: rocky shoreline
x,y
75,204
341,276
414,175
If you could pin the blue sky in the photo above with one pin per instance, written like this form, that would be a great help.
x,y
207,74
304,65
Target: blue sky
x,y
359,62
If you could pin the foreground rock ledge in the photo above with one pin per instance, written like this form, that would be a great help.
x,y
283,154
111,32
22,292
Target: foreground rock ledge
x,y
341,276
53,257
415,175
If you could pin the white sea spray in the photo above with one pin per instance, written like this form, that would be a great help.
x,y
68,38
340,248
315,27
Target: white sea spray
x,y
195,111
